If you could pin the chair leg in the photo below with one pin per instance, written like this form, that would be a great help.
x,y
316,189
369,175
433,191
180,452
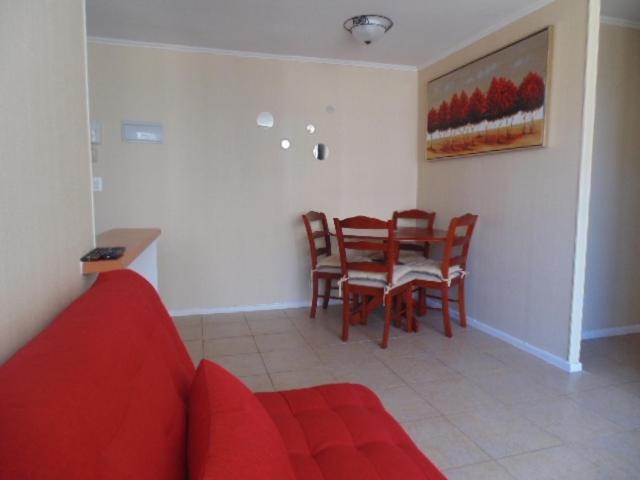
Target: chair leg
x,y
461,305
397,315
327,293
346,313
365,309
422,301
445,312
388,313
412,321
314,298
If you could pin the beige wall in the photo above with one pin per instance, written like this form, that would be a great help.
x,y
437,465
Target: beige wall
x,y
227,198
45,197
613,259
523,252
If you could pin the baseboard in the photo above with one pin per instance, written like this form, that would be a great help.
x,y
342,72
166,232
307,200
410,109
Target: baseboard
x,y
610,332
182,312
548,357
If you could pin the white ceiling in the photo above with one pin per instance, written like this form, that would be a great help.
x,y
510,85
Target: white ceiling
x,y
424,30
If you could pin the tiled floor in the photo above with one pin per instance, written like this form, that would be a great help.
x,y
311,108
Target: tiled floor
x,y
479,408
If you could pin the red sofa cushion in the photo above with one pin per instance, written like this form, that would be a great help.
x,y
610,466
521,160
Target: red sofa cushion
x,y
342,432
230,434
101,393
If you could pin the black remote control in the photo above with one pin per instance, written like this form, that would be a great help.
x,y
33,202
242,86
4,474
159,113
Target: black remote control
x,y
103,253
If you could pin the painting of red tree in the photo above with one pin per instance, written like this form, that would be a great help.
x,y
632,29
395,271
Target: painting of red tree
x,y
506,108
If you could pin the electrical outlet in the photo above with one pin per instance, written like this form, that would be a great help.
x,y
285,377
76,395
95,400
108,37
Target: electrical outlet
x,y
97,184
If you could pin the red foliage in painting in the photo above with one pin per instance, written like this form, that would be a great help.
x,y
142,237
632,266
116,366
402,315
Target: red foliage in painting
x,y
443,115
502,98
531,92
477,106
432,121
454,111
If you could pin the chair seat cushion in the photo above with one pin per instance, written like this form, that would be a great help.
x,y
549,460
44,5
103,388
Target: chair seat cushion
x,y
231,436
342,431
433,269
356,277
329,261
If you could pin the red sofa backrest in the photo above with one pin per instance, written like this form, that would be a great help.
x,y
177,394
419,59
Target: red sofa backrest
x,y
101,393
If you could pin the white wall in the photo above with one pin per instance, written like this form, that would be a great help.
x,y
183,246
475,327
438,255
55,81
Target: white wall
x,y
227,198
613,260
45,198
522,256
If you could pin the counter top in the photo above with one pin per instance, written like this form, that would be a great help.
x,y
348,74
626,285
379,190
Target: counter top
x,y
135,241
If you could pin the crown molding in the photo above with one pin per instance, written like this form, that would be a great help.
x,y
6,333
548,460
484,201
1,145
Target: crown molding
x,y
532,7
620,22
256,55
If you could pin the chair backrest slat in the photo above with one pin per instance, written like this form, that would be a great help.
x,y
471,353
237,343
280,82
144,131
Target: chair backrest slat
x,y
313,235
363,243
458,237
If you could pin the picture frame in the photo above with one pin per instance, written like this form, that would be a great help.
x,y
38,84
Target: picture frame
x,y
496,103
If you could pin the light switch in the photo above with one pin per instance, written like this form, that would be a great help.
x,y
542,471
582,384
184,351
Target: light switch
x,y
97,184
96,132
142,132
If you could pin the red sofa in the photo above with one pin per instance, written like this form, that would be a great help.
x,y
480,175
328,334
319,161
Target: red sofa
x,y
108,391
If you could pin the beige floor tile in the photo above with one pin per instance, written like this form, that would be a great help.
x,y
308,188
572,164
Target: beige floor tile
x,y
557,463
190,328
501,433
612,370
195,349
279,341
265,315
455,395
617,453
302,378
402,347
405,404
633,388
346,353
258,383
414,370
511,387
223,329
375,375
444,444
242,365
470,361
612,403
565,383
299,358
223,317
261,326
565,419
229,346
480,471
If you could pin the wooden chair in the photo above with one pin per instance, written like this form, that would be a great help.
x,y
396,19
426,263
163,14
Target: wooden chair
x,y
410,251
377,283
324,266
450,272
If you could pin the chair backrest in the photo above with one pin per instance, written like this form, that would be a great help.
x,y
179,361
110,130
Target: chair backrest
x,y
315,223
364,235
458,241
423,219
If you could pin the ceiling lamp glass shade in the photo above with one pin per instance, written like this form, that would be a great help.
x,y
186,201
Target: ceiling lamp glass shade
x,y
368,28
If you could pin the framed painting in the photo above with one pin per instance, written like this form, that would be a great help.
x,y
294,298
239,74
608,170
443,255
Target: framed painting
x,y
493,104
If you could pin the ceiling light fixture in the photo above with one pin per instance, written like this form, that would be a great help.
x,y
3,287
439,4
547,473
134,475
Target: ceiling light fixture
x,y
368,28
